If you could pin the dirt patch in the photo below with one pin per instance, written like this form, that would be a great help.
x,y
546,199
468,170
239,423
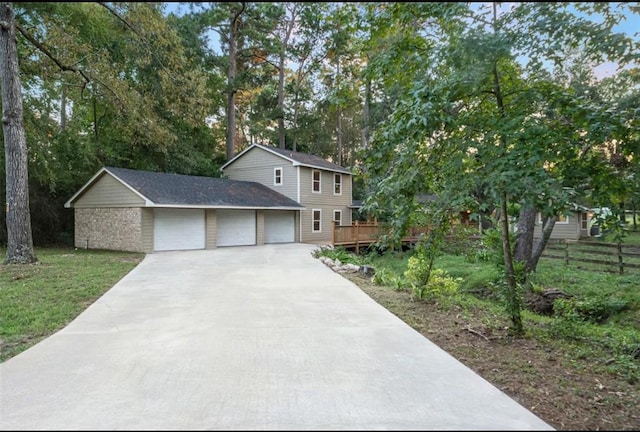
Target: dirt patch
x,y
542,378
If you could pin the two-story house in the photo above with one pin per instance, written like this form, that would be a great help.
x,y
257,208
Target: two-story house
x,y
322,187
269,196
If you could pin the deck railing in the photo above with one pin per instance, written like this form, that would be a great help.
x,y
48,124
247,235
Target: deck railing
x,y
361,234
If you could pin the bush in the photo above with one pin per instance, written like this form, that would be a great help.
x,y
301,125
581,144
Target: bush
x,y
594,309
418,270
386,277
428,283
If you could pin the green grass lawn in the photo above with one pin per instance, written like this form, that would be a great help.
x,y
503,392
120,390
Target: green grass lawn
x,y
37,300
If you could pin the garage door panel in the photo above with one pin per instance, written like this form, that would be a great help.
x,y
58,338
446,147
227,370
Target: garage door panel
x,y
178,229
236,227
279,226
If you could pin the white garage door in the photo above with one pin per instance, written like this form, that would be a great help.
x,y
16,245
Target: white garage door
x,y
236,227
178,229
279,226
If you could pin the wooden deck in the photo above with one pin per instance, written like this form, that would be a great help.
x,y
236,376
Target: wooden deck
x,y
364,234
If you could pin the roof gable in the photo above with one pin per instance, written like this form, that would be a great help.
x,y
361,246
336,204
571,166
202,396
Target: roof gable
x,y
296,158
167,189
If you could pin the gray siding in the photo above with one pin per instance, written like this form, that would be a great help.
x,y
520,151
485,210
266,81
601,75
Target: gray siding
x,y
257,165
570,230
325,201
108,192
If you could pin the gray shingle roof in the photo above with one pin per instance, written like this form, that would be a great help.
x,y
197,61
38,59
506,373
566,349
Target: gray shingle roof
x,y
298,158
307,159
178,189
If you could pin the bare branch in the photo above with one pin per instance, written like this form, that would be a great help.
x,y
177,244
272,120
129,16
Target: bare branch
x,y
64,67
48,53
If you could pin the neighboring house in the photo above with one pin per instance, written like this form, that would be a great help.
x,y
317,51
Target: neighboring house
x,y
323,188
571,226
141,211
270,196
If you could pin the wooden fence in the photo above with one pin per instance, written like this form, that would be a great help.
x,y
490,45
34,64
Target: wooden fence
x,y
613,257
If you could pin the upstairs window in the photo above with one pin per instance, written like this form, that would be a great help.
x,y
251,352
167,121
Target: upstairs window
x,y
315,181
337,184
277,176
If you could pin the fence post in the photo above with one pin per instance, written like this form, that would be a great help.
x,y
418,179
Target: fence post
x,y
620,261
357,238
566,253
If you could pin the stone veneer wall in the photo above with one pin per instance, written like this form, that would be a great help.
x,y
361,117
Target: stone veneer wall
x,y
109,228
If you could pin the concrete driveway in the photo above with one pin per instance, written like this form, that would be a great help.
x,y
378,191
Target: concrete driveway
x,y
245,338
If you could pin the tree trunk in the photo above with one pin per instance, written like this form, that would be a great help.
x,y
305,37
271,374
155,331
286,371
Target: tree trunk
x,y
19,237
513,302
338,112
63,107
281,132
282,64
547,227
366,121
231,82
524,238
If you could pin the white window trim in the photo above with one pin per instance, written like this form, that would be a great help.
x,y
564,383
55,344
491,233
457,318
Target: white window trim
x,y
338,175
339,219
584,221
319,181
313,213
558,222
275,170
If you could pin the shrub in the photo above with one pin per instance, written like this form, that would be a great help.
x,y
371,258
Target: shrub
x,y
428,283
418,270
386,277
595,309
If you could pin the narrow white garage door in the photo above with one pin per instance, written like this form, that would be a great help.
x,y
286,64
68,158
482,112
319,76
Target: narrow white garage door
x,y
178,229
236,227
279,226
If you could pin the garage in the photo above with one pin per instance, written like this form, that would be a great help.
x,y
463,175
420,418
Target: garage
x,y
178,229
279,226
236,227
145,211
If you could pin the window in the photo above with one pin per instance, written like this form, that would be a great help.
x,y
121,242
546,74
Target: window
x,y
337,184
315,176
562,219
277,176
317,220
584,221
337,217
